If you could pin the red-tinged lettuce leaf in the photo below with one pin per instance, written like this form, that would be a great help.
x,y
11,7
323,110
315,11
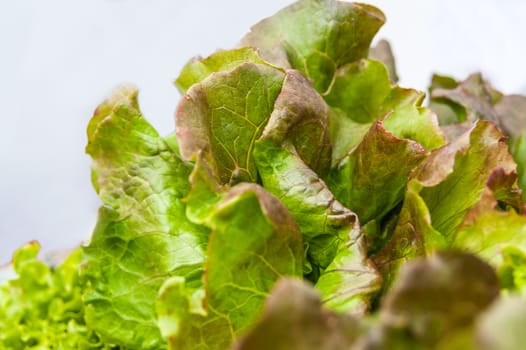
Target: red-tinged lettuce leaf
x,y
369,181
512,112
408,119
320,217
453,179
382,52
372,123
498,236
223,116
199,69
448,113
362,93
470,99
474,99
254,241
300,118
432,299
295,318
143,236
296,134
512,115
332,240
441,192
172,142
316,37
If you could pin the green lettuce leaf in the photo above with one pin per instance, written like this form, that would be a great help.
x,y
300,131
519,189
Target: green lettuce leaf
x,y
285,174
198,69
224,116
351,282
241,268
411,237
143,236
452,180
305,126
41,308
367,181
208,135
316,37
297,134
441,192
295,318
333,244
363,92
497,236
512,270
371,123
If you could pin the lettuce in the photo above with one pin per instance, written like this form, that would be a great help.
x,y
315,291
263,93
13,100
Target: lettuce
x,y
304,201
42,308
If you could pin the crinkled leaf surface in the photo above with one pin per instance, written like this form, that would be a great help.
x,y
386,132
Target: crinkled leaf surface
x,y
499,237
301,118
476,98
442,190
453,178
222,117
285,174
349,284
292,153
333,244
316,37
294,318
323,221
205,193
371,124
198,69
254,242
41,308
368,181
143,236
359,89
363,92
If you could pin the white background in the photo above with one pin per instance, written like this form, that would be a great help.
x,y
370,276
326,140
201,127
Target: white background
x,y
59,59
